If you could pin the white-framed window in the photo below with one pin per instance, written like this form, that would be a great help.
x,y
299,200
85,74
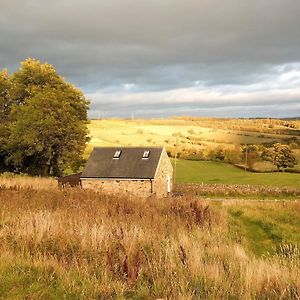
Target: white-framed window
x,y
117,154
146,154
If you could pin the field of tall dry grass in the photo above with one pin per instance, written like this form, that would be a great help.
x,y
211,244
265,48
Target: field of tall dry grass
x,y
75,244
9,180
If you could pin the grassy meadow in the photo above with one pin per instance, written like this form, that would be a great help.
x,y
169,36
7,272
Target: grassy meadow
x,y
227,234
264,228
75,244
210,172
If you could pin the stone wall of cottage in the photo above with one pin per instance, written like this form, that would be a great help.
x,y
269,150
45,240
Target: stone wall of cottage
x,y
165,170
140,188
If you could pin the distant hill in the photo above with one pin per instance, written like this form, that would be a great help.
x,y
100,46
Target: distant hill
x,y
189,133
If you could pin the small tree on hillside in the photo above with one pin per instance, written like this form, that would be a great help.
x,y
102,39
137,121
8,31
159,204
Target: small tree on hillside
x,y
250,155
283,157
233,156
280,155
216,154
267,154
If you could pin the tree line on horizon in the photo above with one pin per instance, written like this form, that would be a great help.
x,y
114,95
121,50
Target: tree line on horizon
x,y
43,121
279,155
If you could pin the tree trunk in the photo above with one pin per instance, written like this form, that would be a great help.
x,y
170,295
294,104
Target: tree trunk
x,y
45,171
54,166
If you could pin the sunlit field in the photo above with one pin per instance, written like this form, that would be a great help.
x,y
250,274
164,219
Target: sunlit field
x,y
203,134
75,244
189,171
187,132
200,134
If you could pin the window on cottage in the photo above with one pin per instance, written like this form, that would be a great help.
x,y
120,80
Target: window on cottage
x,y
146,154
117,154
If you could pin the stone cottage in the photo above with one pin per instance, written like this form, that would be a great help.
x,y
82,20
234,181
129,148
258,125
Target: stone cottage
x,y
143,171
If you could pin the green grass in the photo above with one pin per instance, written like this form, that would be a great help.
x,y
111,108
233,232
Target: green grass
x,y
189,171
19,281
25,279
262,229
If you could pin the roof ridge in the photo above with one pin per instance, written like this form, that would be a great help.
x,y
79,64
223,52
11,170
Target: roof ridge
x,y
130,147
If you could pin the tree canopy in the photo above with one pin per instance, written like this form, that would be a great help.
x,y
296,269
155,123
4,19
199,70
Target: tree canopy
x,y
45,120
5,101
280,155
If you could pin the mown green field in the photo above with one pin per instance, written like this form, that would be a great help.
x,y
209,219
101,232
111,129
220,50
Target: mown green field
x,y
188,171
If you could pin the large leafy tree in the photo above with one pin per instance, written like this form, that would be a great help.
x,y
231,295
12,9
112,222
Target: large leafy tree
x,y
47,121
5,88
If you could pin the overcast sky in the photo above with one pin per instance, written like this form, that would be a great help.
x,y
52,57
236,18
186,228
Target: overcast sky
x,y
159,58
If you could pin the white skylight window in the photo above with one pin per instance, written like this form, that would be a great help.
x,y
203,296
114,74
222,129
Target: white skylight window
x,y
146,154
117,154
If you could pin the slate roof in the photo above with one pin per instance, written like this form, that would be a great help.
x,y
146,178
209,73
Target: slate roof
x,y
131,165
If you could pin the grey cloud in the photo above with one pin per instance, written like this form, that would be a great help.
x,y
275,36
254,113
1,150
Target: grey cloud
x,y
193,101
272,110
155,45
